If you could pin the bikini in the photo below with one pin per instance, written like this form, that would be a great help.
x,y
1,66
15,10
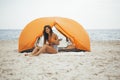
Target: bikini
x,y
54,46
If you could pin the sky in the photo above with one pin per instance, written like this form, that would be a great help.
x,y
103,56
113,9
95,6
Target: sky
x,y
91,14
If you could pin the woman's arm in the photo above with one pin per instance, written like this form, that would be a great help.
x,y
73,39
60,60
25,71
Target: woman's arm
x,y
37,41
56,41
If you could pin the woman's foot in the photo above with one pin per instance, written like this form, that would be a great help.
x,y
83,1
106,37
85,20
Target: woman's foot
x,y
30,55
26,54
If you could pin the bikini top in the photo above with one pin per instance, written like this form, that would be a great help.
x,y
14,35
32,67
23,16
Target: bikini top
x,y
52,39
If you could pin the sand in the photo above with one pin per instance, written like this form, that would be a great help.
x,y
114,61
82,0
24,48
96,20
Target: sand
x,y
102,63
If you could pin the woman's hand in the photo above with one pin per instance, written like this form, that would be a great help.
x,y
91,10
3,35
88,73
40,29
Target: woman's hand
x,y
47,42
56,42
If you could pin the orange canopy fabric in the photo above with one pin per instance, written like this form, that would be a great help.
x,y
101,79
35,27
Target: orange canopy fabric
x,y
65,26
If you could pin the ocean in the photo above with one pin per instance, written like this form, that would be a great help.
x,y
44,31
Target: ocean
x,y
8,34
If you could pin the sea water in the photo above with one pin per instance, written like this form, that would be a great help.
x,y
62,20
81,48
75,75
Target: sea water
x,y
105,34
9,34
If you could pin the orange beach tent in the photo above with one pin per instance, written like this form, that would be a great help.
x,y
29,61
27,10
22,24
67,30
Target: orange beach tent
x,y
65,26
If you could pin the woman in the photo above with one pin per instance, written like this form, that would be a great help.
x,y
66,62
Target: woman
x,y
70,44
50,43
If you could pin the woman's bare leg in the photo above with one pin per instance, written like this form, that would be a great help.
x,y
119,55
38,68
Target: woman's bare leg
x,y
46,49
51,50
35,50
70,47
42,50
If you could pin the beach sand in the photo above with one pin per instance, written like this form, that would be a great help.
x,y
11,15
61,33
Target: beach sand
x,y
102,63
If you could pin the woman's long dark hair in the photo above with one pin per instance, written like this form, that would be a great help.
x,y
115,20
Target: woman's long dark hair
x,y
46,34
